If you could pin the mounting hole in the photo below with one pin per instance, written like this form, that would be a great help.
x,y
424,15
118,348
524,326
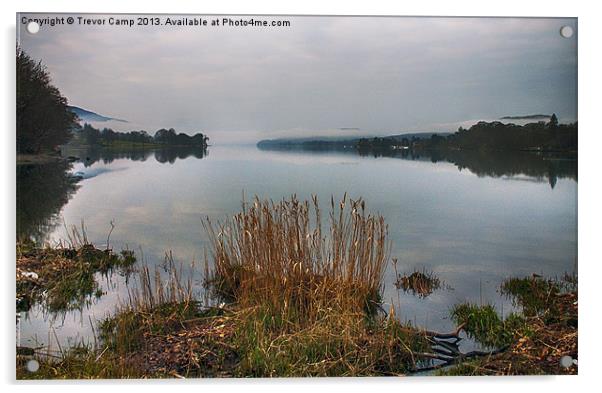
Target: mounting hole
x,y
33,366
566,31
566,361
33,27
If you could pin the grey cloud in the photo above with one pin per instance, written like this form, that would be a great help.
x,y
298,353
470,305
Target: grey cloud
x,y
322,73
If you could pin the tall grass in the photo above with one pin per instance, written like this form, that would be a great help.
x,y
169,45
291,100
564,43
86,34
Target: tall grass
x,y
278,256
154,290
302,300
155,304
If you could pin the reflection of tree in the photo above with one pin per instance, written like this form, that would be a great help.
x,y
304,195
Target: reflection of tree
x,y
42,190
170,154
93,154
546,166
498,163
540,166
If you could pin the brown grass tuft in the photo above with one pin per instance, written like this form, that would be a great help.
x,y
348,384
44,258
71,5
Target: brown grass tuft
x,y
276,255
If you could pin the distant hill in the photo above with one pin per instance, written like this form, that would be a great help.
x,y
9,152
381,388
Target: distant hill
x,y
86,115
527,117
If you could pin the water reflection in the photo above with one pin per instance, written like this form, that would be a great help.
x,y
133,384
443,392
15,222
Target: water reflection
x,y
472,232
42,190
547,167
92,154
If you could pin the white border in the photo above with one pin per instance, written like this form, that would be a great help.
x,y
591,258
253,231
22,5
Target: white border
x,y
589,196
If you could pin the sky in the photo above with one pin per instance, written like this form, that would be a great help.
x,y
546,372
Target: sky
x,y
367,75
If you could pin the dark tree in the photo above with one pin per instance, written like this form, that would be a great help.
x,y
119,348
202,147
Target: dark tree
x,y
43,119
553,121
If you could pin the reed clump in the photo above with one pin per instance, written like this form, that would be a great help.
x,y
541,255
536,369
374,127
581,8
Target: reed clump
x,y
418,283
300,300
311,295
277,256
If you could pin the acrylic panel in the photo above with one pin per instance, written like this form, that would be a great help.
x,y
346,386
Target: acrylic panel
x,y
295,196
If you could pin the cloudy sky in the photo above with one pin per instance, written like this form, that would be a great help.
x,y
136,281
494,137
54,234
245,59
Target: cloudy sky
x,y
382,75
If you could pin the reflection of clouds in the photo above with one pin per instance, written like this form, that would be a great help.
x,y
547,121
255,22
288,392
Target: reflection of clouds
x,y
73,326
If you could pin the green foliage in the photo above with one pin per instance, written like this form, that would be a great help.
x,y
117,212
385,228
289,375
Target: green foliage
x,y
484,324
532,136
337,345
43,119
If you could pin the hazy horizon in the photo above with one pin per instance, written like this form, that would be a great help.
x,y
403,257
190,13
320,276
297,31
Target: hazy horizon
x,y
381,75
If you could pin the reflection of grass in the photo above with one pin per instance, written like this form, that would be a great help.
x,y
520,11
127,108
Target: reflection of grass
x,y
419,283
535,295
63,278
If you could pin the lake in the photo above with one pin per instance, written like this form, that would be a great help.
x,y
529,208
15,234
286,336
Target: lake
x,y
473,219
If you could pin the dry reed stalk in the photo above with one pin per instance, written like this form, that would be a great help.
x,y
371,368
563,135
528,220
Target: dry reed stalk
x,y
276,255
153,290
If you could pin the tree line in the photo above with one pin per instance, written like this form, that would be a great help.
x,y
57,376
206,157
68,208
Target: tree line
x,y
106,136
540,136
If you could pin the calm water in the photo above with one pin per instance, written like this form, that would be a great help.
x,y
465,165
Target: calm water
x,y
495,218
